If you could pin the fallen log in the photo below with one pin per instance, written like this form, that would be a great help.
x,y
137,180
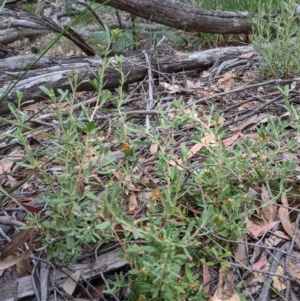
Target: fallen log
x,y
17,24
185,16
23,287
54,73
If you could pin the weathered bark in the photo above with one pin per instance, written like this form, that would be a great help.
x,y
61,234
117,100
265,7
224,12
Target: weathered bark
x,y
23,287
186,17
55,73
16,24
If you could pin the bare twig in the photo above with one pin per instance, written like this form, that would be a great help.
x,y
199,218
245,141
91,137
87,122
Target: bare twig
x,y
150,100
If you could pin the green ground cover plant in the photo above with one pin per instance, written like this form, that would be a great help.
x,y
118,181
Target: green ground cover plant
x,y
236,5
277,39
194,202
193,205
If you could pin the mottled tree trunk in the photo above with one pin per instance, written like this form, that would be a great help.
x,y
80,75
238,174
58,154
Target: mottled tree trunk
x,y
184,16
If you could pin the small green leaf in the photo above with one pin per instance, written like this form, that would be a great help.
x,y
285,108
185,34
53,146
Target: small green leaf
x,y
103,225
226,264
46,91
90,126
